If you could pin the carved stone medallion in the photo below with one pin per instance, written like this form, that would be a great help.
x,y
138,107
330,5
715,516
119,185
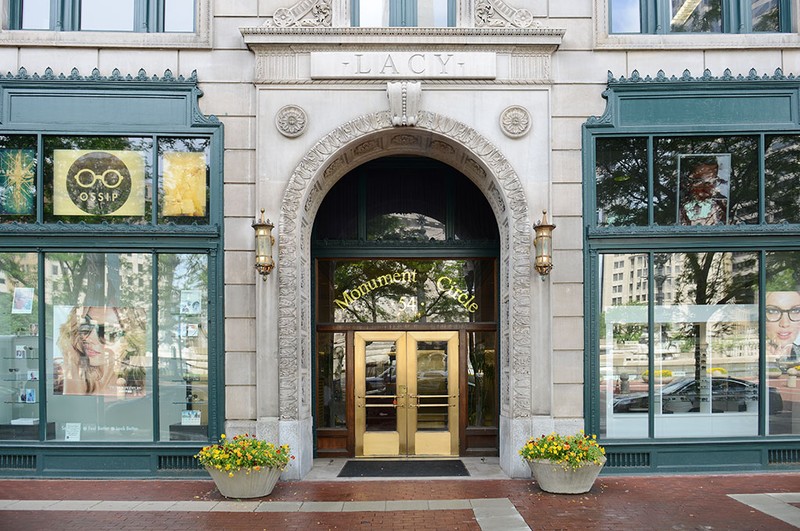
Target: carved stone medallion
x,y
515,121
291,121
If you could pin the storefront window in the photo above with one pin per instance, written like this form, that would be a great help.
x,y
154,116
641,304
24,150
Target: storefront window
x,y
183,180
183,346
706,181
621,174
98,179
99,363
19,347
781,173
17,178
782,326
697,182
703,353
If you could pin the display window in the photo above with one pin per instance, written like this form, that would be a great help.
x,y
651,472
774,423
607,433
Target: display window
x,y
693,271
696,181
97,379
105,180
701,368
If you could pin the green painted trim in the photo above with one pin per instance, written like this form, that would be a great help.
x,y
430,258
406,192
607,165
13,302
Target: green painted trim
x,y
181,95
700,456
643,95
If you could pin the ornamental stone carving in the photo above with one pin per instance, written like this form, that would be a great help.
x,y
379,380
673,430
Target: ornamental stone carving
x,y
304,14
404,98
467,150
291,121
515,121
498,14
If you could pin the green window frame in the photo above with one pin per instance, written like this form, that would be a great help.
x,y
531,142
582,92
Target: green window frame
x,y
158,275
402,13
730,16
641,302
148,16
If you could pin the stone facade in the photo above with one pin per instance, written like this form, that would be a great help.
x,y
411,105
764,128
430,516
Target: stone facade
x,y
513,126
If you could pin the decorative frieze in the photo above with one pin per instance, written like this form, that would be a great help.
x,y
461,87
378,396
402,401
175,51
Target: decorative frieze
x,y
304,14
498,14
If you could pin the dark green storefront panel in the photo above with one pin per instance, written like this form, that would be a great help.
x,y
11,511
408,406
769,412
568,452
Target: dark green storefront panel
x,y
774,109
88,464
702,458
129,109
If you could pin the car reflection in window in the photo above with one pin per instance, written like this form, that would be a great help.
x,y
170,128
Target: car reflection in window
x,y
684,396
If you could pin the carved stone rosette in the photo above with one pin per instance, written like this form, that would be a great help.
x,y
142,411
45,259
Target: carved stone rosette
x,y
515,121
291,121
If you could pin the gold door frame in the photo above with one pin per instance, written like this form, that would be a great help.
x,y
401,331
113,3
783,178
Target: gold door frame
x,y
406,439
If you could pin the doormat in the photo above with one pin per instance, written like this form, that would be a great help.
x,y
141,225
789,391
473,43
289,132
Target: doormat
x,y
402,469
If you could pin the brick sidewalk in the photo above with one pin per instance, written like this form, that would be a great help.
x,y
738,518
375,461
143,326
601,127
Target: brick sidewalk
x,y
630,502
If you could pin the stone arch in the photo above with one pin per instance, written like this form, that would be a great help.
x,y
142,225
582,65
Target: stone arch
x,y
372,136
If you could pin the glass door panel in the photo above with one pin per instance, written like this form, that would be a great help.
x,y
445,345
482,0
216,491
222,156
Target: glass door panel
x,y
406,393
433,393
380,411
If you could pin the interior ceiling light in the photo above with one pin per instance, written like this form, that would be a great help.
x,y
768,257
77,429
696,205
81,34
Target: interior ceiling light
x,y
684,12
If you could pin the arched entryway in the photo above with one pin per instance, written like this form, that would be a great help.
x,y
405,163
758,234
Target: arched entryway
x,y
352,144
405,254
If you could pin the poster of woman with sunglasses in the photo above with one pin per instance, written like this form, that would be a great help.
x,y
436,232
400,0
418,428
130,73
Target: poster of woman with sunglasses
x,y
98,347
783,326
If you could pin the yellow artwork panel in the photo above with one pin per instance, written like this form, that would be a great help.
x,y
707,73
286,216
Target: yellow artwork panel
x,y
184,181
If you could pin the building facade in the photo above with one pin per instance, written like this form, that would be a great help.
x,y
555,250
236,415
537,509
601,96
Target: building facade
x,y
402,152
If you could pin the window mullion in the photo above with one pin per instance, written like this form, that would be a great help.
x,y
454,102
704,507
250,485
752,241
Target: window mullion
x,y
143,15
737,16
68,15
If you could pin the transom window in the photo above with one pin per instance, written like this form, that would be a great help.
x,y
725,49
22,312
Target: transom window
x,y
407,13
148,16
699,16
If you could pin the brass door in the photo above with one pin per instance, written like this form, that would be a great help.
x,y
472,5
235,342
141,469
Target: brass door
x,y
406,393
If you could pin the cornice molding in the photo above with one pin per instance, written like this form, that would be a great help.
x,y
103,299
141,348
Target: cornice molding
x,y
263,35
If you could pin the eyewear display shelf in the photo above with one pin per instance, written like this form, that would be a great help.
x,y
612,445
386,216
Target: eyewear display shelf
x,y
19,367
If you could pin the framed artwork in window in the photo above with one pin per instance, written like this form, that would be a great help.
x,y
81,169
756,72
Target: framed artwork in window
x,y
703,189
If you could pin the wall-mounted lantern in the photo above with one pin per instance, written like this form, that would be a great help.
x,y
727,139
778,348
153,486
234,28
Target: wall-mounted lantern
x,y
264,243
543,245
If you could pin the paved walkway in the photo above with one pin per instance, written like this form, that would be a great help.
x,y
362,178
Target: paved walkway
x,y
485,501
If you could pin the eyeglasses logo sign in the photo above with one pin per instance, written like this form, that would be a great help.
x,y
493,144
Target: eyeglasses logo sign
x,y
100,183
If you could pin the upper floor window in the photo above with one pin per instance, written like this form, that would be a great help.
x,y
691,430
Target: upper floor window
x,y
699,16
148,16
406,13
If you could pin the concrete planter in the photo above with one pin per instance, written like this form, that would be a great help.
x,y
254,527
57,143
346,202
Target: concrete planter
x,y
553,477
255,484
